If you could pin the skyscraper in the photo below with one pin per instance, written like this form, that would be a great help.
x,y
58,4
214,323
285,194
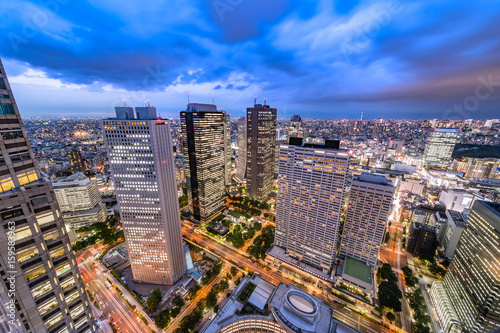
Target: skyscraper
x,y
472,282
76,161
295,130
368,208
143,171
227,148
261,140
40,286
440,145
311,183
241,164
204,147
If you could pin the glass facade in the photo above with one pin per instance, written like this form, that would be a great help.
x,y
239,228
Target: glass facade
x,y
204,145
473,280
440,145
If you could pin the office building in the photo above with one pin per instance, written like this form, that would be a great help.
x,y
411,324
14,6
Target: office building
x,y
477,167
261,140
440,145
143,172
277,155
204,148
472,281
448,318
241,162
275,309
368,209
456,199
79,200
227,149
450,233
295,130
311,184
422,240
40,286
76,161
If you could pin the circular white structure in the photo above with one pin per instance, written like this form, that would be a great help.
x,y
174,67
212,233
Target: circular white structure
x,y
301,303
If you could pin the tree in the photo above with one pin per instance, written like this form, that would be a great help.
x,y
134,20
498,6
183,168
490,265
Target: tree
x,y
233,271
178,301
389,295
410,279
387,273
175,312
154,300
387,236
162,319
391,317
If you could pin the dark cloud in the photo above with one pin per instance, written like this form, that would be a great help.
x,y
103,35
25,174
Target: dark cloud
x,y
426,56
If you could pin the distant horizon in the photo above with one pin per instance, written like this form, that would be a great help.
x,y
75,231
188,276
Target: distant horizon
x,y
325,59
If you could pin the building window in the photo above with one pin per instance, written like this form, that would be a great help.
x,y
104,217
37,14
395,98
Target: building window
x,y
6,108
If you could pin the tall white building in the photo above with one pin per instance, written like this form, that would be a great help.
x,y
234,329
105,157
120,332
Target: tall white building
x,y
227,149
241,164
367,212
440,145
143,171
311,183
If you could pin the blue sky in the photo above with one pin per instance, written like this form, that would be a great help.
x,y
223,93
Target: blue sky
x,y
321,59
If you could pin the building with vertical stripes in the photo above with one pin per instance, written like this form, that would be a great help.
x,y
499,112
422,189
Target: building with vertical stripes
x,y
40,285
472,282
241,162
204,148
143,171
261,141
227,149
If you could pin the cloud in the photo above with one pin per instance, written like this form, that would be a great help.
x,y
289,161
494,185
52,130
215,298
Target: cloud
x,y
304,56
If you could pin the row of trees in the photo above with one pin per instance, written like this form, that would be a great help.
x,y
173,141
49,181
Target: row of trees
x,y
389,294
154,300
164,316
102,232
237,237
421,319
250,202
410,279
262,243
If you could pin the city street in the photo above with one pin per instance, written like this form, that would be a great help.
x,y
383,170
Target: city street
x,y
111,303
346,316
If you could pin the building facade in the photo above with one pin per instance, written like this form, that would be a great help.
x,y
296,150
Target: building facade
x,y
76,161
241,162
472,281
204,149
261,140
311,182
227,148
368,209
40,286
143,171
295,130
440,145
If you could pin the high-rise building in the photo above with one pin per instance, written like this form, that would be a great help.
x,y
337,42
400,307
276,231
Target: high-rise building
x,y
295,130
40,285
76,161
261,140
440,145
311,182
143,172
241,163
79,200
368,209
472,282
204,147
227,148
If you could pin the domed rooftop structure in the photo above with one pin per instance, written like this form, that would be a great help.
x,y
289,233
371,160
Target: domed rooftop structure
x,y
296,118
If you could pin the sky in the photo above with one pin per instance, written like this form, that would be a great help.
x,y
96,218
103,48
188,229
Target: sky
x,y
320,59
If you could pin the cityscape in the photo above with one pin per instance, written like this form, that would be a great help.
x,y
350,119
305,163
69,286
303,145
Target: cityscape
x,y
195,206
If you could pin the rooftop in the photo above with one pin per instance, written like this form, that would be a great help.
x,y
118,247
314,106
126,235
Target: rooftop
x,y
358,269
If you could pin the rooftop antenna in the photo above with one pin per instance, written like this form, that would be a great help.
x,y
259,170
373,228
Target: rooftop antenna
x,y
148,104
213,99
188,98
361,115
124,104
255,101
264,101
145,103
